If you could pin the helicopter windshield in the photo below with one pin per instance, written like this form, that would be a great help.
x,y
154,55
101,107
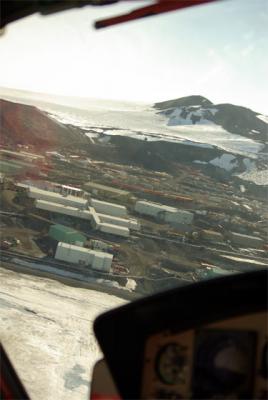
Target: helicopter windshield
x,y
132,160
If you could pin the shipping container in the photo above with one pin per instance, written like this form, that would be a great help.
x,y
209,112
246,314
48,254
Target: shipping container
x,y
71,201
114,230
108,208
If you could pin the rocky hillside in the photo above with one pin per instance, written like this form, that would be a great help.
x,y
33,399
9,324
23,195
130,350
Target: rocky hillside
x,y
23,124
193,110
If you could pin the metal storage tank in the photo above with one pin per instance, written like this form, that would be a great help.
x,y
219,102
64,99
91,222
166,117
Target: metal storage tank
x,y
66,234
46,195
108,208
114,230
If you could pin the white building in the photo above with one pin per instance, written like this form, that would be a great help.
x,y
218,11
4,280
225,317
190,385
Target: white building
x,y
98,260
128,223
104,207
65,210
71,191
2,178
245,241
89,215
114,229
163,212
179,217
46,195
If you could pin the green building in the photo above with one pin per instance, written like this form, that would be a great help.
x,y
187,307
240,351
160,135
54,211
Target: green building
x,y
66,234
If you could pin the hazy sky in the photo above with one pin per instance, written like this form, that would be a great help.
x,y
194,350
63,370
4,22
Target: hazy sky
x,y
219,51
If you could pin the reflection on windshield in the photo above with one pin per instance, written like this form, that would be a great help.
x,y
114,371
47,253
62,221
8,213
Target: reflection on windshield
x,y
104,202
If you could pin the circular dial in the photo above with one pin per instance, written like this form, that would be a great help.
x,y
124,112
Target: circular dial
x,y
223,364
170,364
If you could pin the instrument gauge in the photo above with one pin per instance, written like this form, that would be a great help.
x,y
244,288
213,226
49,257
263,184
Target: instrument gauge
x,y
170,364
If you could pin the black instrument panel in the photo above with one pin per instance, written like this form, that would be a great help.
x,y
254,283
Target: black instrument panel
x,y
192,332
221,360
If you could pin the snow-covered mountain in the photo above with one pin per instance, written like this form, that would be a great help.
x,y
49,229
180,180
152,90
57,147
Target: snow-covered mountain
x,y
222,136
237,130
197,110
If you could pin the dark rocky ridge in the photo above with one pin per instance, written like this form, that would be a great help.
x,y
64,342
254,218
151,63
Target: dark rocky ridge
x,y
235,119
23,124
184,101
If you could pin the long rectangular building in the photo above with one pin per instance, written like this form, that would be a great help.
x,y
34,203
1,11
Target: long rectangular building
x,y
89,215
104,207
62,209
164,212
114,229
245,240
98,189
98,260
72,201
128,223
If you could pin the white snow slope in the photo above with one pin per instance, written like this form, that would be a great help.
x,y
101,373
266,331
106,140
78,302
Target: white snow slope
x,y
46,328
140,121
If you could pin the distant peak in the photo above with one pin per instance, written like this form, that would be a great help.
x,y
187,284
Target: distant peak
x,y
185,102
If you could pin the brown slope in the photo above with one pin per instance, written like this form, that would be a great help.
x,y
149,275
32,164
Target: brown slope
x,y
23,124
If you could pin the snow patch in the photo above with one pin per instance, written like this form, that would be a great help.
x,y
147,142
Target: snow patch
x,y
259,177
144,123
249,164
199,162
226,161
183,116
92,135
264,118
131,284
47,330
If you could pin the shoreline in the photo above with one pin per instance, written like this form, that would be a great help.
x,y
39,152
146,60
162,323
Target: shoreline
x,y
98,287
